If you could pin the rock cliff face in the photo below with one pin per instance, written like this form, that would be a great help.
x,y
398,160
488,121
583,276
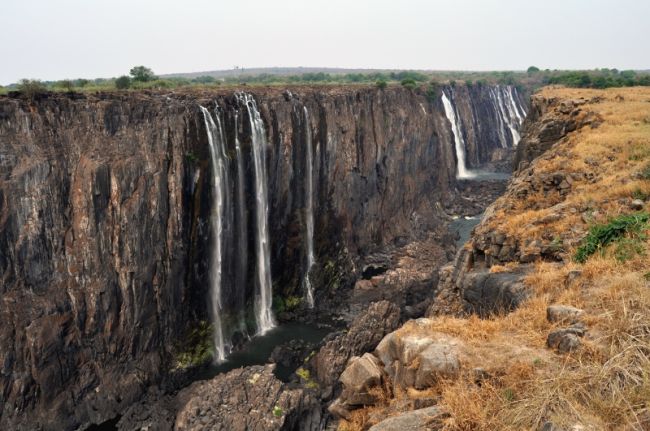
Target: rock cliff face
x,y
489,120
105,204
468,285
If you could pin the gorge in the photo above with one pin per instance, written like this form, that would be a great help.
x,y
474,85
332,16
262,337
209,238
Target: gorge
x,y
127,220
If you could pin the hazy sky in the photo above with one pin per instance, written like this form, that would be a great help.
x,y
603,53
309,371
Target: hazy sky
x,y
58,39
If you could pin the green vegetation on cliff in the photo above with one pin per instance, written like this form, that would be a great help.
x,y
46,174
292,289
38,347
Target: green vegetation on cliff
x,y
143,78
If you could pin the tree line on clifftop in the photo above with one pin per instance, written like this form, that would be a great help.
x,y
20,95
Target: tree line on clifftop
x,y
141,77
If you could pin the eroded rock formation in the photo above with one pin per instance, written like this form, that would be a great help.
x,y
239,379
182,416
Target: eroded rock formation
x,y
104,233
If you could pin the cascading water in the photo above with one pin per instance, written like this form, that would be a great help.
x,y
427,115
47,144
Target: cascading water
x,y
309,211
510,114
219,183
264,294
459,141
242,229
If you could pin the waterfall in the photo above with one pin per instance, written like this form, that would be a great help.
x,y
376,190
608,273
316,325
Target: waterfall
x,y
220,183
264,294
242,228
510,115
309,211
459,141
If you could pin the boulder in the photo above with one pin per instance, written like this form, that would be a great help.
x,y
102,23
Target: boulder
x,y
416,357
438,360
362,374
364,334
567,339
563,314
417,420
486,293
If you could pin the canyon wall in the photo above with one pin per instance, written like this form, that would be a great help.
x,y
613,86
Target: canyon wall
x,y
468,285
105,232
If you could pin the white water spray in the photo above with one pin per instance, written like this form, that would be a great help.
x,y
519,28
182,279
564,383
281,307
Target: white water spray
x,y
510,115
242,227
309,211
264,295
219,183
459,141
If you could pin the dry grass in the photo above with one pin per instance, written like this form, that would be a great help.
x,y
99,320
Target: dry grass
x,y
615,152
605,385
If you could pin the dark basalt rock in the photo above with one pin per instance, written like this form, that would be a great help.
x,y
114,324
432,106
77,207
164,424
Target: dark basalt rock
x,y
364,334
104,227
488,293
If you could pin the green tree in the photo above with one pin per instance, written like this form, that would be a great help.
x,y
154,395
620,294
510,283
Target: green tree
x,y
31,87
409,83
67,85
381,84
123,82
533,69
142,74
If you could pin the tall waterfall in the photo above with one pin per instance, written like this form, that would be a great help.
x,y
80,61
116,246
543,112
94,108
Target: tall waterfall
x,y
510,113
264,294
309,211
242,229
220,182
459,141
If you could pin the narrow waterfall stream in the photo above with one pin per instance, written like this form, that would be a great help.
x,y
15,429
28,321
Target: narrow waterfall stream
x,y
219,182
242,232
309,211
450,112
264,294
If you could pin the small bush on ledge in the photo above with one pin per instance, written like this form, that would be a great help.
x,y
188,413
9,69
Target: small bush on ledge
x,y
626,230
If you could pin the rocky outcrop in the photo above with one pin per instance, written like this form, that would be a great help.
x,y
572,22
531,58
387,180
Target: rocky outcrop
x,y
104,225
364,334
413,356
245,399
548,121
